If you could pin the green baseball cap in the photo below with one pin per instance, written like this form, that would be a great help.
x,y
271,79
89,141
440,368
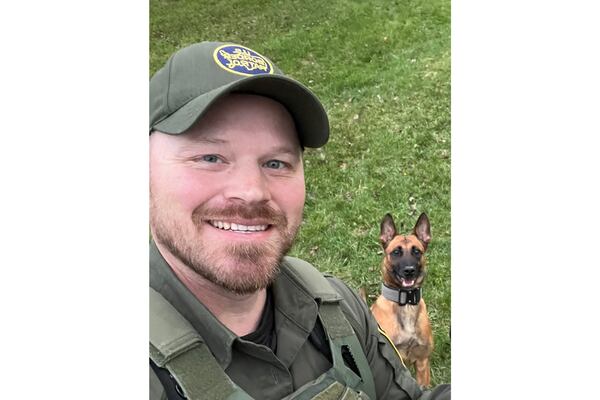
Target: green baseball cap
x,y
196,76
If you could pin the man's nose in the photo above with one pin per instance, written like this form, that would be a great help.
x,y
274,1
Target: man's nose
x,y
248,184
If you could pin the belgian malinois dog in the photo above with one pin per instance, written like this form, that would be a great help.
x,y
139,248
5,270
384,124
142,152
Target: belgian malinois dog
x,y
400,309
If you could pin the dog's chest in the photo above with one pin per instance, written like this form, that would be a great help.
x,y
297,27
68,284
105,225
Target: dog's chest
x,y
406,336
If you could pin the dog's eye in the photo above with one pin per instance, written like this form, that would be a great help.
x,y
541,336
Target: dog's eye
x,y
416,252
397,251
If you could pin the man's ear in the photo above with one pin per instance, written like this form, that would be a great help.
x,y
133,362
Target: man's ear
x,y
388,230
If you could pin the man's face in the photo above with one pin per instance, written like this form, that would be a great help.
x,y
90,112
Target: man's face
x,y
226,197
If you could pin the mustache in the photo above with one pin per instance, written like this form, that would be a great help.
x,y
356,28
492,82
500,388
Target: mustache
x,y
265,213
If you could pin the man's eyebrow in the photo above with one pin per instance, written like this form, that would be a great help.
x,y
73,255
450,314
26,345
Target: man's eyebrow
x,y
285,150
209,140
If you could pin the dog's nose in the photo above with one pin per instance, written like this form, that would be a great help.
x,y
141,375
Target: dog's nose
x,y
410,270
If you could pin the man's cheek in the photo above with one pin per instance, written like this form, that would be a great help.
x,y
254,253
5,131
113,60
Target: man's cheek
x,y
295,200
190,193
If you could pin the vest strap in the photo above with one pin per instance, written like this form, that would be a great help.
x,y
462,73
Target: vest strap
x,y
342,337
170,333
311,278
340,332
175,345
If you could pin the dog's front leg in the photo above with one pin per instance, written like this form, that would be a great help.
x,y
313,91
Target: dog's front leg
x,y
423,372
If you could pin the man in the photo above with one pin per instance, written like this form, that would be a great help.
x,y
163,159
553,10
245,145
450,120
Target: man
x,y
230,316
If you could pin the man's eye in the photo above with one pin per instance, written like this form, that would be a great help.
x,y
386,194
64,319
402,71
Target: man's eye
x,y
211,158
275,164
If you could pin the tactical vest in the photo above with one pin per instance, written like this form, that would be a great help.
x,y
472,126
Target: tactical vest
x,y
176,346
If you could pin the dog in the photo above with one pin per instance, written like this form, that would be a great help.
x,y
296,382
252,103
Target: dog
x,y
400,309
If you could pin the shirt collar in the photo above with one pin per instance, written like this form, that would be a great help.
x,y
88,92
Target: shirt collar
x,y
295,314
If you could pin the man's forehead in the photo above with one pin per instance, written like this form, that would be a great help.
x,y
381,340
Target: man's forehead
x,y
196,140
276,147
205,137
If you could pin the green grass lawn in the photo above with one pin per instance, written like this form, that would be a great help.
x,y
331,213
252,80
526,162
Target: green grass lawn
x,y
382,70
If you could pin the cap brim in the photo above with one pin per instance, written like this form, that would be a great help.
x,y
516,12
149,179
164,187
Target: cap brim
x,y
308,113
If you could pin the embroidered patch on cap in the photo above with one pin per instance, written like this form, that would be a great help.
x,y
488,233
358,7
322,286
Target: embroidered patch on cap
x,y
241,60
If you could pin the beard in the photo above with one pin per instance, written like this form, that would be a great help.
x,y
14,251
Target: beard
x,y
241,268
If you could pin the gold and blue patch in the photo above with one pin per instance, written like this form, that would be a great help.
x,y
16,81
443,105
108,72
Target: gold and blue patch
x,y
241,60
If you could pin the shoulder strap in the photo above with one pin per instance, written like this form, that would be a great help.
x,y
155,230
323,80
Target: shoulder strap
x,y
170,333
311,279
345,347
176,346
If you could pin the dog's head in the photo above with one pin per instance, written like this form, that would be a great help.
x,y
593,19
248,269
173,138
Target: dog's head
x,y
404,263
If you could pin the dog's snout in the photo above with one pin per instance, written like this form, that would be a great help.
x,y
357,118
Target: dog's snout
x,y
410,270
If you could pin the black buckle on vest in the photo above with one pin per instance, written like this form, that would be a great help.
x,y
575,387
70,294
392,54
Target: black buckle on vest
x,y
402,296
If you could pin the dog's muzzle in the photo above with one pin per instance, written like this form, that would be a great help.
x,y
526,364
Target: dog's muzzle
x,y
407,275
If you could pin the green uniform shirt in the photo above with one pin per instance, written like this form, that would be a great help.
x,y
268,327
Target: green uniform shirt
x,y
265,375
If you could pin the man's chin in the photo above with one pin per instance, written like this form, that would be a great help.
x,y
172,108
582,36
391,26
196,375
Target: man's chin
x,y
241,269
243,276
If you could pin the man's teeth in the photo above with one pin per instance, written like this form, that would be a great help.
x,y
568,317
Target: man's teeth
x,y
238,227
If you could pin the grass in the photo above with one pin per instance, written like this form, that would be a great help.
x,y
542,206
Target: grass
x,y
382,70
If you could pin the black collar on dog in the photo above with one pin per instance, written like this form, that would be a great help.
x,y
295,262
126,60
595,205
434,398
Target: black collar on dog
x,y
401,296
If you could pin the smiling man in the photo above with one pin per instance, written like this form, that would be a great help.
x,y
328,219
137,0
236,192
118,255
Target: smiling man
x,y
230,315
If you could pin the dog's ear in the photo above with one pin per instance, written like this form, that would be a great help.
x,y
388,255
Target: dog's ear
x,y
388,230
422,229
